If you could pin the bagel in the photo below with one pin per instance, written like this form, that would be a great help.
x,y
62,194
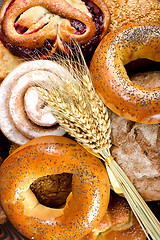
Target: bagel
x,y
110,78
85,206
118,222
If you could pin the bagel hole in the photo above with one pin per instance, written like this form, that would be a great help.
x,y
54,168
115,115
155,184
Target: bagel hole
x,y
52,190
144,72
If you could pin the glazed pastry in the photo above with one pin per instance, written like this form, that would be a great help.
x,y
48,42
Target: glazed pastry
x,y
36,29
125,12
111,80
23,114
85,205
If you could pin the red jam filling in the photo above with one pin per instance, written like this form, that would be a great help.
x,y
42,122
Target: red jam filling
x,y
43,52
20,29
79,26
98,19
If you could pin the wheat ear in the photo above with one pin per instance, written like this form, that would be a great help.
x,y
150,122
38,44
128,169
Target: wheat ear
x,y
82,114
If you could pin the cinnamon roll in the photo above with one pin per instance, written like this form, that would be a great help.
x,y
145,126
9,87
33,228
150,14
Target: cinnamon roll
x,y
36,29
23,114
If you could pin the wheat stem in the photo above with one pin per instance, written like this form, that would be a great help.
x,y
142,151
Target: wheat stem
x,y
82,114
144,215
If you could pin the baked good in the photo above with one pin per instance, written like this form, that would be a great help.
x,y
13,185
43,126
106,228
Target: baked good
x,y
136,146
124,12
85,205
111,80
24,115
118,222
36,29
7,62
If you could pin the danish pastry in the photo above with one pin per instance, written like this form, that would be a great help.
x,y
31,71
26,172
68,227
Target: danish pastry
x,y
36,29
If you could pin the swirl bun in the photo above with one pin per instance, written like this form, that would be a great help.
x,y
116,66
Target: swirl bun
x,y
110,78
23,114
47,155
33,29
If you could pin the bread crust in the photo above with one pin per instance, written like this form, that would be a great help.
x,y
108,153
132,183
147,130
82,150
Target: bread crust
x,y
37,29
7,62
125,12
54,155
111,81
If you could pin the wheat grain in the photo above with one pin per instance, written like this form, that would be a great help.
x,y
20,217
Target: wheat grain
x,y
78,109
82,114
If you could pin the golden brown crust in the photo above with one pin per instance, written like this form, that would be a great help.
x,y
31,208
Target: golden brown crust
x,y
118,222
110,78
7,62
35,40
31,25
90,186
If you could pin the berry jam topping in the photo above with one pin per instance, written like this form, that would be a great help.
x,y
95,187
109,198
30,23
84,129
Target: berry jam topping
x,y
20,29
42,52
98,19
79,26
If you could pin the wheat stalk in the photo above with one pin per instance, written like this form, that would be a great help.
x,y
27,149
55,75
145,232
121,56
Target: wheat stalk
x,y
82,114
77,106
